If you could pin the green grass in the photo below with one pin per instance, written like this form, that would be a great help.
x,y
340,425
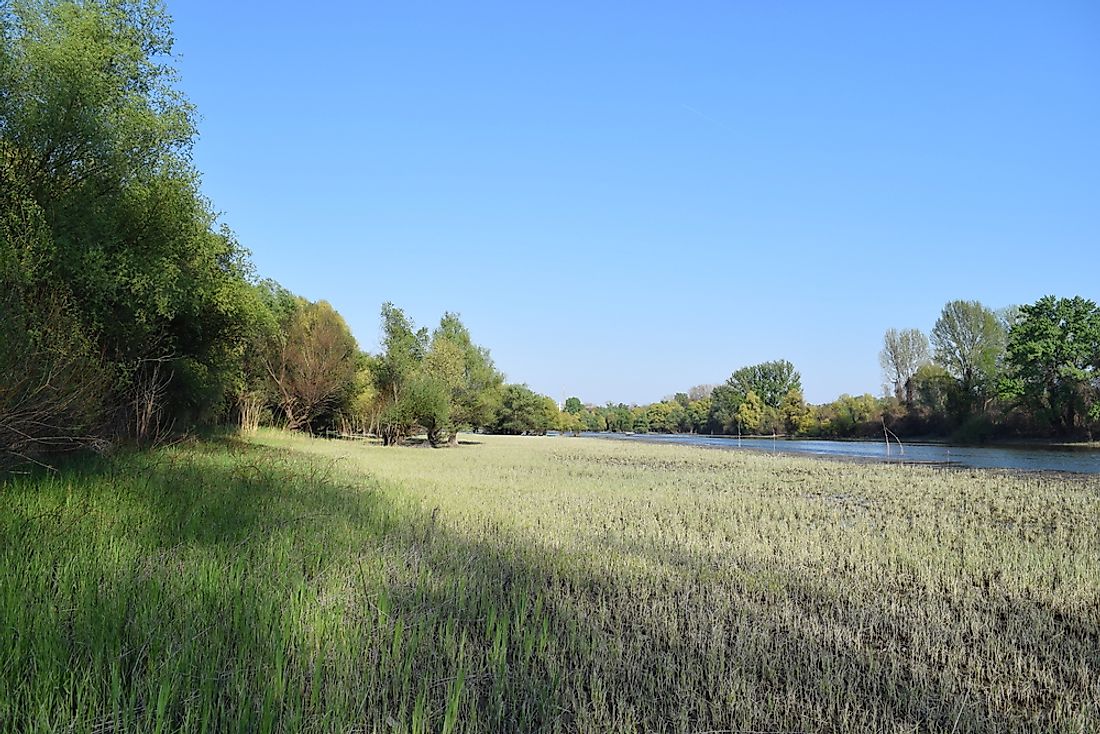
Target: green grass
x,y
543,584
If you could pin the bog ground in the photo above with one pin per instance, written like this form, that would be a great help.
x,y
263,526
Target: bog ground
x,y
543,584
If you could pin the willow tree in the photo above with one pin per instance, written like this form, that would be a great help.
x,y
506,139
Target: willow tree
x,y
437,382
472,380
312,365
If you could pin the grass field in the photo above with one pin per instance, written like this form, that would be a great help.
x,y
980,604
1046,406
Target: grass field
x,y
543,584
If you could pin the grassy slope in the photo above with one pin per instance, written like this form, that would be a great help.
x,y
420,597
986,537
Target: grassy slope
x,y
554,584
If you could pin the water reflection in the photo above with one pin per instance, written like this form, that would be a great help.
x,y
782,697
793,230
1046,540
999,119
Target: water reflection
x,y
1081,460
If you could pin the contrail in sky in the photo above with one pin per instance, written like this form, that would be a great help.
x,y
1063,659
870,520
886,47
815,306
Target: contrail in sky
x,y
707,117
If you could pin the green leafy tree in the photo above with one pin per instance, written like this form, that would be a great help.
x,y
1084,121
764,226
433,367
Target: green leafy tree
x,y
468,371
679,419
850,415
1054,361
725,401
795,414
95,145
771,381
570,422
594,421
523,411
699,414
427,402
313,366
404,348
619,418
573,405
362,412
750,413
969,342
659,417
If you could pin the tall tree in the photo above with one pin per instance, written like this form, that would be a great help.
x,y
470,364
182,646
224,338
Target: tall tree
x,y
404,348
523,411
1054,361
903,352
468,372
95,145
969,342
313,365
771,381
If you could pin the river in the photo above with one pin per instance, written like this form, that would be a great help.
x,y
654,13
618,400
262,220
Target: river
x,y
1082,460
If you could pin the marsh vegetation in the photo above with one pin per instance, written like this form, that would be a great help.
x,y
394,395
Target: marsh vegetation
x,y
544,584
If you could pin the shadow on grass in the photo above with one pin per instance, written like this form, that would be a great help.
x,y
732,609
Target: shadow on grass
x,y
235,587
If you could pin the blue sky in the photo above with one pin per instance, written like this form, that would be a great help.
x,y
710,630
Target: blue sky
x,y
626,199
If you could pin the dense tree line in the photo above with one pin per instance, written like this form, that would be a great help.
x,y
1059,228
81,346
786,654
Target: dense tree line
x,y
127,313
1032,371
125,310
1027,371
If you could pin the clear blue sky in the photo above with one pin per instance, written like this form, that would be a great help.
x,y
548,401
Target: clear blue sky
x,y
626,199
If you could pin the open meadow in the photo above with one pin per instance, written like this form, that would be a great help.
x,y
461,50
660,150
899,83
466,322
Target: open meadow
x,y
283,583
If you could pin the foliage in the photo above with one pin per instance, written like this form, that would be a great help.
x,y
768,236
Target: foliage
x,y
903,353
95,158
771,381
1054,361
969,342
570,422
522,411
436,383
468,372
312,365
796,415
851,415
724,404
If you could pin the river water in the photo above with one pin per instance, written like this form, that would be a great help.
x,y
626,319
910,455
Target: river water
x,y
1079,460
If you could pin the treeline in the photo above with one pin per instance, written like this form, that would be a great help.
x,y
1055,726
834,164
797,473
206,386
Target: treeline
x,y
1031,371
122,310
126,313
308,374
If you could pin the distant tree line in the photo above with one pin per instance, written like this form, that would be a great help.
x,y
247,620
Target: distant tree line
x,y
127,313
1032,371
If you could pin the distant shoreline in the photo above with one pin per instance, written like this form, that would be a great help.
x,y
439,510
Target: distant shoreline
x,y
1008,443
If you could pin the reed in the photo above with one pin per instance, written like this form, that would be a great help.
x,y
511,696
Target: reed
x,y
284,584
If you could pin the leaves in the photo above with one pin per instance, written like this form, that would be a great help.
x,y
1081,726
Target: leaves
x,y
1054,360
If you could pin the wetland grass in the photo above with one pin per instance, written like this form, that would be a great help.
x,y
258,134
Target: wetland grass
x,y
520,584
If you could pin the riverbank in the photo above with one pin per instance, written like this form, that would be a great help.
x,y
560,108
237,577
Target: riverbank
x,y
1016,458
544,584
1037,443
